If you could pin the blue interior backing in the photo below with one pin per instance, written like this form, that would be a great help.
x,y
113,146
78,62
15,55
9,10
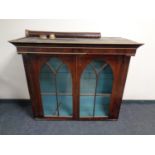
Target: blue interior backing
x,y
87,89
50,107
48,89
103,90
87,104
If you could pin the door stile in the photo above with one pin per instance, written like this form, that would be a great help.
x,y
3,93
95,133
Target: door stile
x,y
77,85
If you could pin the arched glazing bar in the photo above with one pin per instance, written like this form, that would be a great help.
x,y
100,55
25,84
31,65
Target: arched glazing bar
x,y
97,73
56,88
95,89
55,79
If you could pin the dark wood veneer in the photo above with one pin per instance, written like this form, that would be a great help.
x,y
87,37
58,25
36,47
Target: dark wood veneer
x,y
30,33
76,56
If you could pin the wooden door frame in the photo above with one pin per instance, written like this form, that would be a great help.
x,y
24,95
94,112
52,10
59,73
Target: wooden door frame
x,y
33,64
119,65
77,64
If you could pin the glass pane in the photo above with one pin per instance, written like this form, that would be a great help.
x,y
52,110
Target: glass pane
x,y
95,89
56,89
87,105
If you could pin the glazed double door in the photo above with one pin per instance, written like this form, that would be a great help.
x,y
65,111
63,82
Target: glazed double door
x,y
73,86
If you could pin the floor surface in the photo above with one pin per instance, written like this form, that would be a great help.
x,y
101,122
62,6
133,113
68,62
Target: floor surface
x,y
135,119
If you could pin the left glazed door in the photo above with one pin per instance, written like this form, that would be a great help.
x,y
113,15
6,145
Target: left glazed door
x,y
53,84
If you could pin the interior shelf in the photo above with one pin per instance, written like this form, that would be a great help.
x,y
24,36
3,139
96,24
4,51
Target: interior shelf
x,y
69,94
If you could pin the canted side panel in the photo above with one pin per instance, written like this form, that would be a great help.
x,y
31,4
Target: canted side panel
x,y
121,70
28,78
30,64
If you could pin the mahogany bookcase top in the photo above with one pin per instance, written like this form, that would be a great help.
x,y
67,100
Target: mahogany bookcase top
x,y
77,41
49,41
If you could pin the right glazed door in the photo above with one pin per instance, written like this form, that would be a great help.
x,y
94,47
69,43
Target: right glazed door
x,y
96,82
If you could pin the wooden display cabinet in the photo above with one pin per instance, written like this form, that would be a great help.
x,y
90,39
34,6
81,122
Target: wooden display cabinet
x,y
75,76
